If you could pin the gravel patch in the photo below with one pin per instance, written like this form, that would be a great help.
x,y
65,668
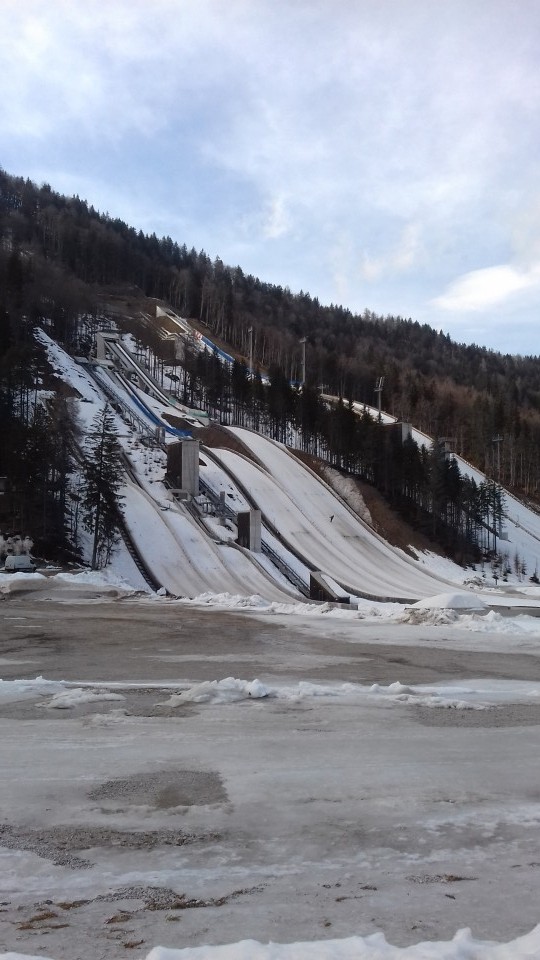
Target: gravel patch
x,y
163,898
182,788
57,843
513,715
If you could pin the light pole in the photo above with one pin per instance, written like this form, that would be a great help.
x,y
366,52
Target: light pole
x,y
378,390
250,331
497,441
303,342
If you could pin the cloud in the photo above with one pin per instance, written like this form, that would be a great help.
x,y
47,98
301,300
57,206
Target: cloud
x,y
368,152
278,220
399,259
489,287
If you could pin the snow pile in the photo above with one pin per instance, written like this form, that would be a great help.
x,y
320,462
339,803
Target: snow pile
x,y
450,601
466,695
118,715
303,609
442,609
16,582
437,617
311,609
374,947
229,690
229,600
494,622
70,586
103,579
13,690
62,695
399,693
75,696
479,622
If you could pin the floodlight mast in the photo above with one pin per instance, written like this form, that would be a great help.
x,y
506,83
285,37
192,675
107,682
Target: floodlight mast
x,y
378,390
250,331
497,441
303,342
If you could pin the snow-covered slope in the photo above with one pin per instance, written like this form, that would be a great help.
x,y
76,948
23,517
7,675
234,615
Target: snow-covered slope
x,y
521,525
316,524
185,560
182,558
310,518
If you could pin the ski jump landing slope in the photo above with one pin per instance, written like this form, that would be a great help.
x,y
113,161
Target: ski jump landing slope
x,y
322,529
186,561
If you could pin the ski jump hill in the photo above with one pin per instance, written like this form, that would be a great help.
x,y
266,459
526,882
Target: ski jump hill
x,y
190,552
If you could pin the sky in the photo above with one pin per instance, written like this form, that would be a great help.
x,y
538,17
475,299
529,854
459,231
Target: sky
x,y
380,154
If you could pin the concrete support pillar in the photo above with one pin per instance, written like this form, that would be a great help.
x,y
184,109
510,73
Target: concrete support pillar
x,y
249,530
183,466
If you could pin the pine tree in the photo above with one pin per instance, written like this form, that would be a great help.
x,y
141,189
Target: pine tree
x,y
102,478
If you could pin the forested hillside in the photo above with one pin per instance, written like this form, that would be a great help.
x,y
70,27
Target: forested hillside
x,y
60,260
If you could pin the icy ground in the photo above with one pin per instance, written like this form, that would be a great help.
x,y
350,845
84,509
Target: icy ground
x,y
223,781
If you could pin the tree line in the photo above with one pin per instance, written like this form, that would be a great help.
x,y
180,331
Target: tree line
x,y
59,257
423,484
58,482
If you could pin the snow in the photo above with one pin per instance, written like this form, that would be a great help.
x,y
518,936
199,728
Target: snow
x,y
185,560
188,564
374,947
493,622
521,524
179,558
465,695
451,601
466,611
300,506
69,586
285,740
15,690
229,690
77,696
357,800
62,696
346,488
477,694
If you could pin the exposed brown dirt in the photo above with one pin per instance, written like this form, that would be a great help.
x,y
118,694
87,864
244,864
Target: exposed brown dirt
x,y
127,301
178,422
389,525
216,436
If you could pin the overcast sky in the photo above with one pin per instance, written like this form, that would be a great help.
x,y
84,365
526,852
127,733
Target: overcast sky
x,y
375,153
